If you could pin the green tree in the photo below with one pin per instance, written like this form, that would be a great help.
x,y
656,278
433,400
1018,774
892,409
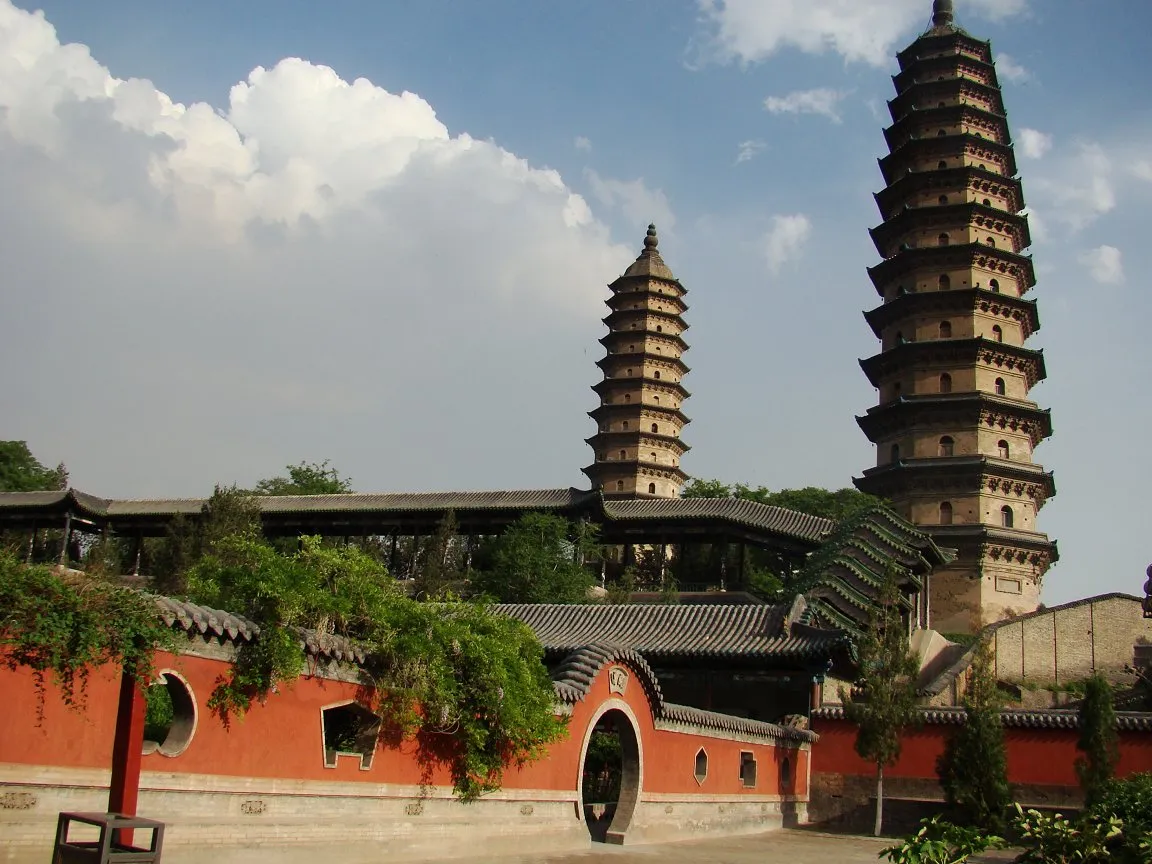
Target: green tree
x,y
829,504
440,564
1098,740
974,767
468,684
883,702
307,478
20,471
539,559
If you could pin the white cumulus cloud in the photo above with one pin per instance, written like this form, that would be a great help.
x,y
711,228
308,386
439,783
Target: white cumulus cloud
x,y
1143,169
749,150
314,268
1078,188
583,143
638,203
869,32
786,239
1105,264
820,100
1034,144
1008,69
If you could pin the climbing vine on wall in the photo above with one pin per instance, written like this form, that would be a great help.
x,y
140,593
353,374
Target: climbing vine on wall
x,y
470,685
63,626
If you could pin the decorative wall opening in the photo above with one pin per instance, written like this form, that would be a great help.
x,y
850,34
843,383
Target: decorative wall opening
x,y
169,715
747,770
997,333
945,329
785,774
349,730
1003,450
945,513
947,446
999,387
945,383
1007,517
945,282
610,777
651,488
700,769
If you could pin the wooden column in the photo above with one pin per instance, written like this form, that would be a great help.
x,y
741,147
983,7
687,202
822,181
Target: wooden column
x,y
724,566
127,748
392,555
63,560
139,554
31,544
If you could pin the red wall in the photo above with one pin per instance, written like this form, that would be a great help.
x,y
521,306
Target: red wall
x,y
282,738
1043,757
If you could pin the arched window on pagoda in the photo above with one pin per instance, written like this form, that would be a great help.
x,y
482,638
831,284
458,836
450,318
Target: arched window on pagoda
x,y
627,397
651,488
995,285
990,242
659,329
1002,449
655,428
894,453
997,333
624,425
942,200
945,282
942,165
945,383
999,387
942,240
653,455
947,446
1007,517
623,455
941,133
619,485
987,203
945,513
656,400
945,329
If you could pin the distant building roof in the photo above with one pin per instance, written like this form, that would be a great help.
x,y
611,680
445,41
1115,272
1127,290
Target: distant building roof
x,y
664,632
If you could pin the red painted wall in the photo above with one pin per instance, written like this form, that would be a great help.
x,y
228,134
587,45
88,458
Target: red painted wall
x,y
282,738
1043,757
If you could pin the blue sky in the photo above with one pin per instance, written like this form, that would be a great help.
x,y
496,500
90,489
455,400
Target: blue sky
x,y
231,280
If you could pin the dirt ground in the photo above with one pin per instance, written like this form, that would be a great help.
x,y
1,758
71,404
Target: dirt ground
x,y
776,847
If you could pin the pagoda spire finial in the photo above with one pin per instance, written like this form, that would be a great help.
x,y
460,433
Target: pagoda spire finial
x,y
651,241
942,13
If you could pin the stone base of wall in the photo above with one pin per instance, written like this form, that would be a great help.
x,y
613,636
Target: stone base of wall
x,y
230,818
847,803
667,818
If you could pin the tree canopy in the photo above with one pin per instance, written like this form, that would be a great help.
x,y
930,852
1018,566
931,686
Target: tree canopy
x,y
20,471
539,559
307,478
884,699
830,504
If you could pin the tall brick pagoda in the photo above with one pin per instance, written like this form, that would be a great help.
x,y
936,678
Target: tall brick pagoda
x,y
637,445
954,427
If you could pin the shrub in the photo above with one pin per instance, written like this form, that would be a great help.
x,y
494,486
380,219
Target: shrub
x,y
1058,840
1129,800
939,842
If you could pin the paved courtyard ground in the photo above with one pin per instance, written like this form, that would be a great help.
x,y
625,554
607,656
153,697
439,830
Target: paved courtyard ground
x,y
776,847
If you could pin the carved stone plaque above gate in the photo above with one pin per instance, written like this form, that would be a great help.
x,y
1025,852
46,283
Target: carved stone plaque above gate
x,y
617,680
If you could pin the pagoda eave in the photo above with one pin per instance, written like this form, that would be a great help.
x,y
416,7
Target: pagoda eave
x,y
947,257
944,353
636,438
638,357
974,177
901,131
931,216
947,411
960,474
622,336
917,148
632,410
956,301
931,41
611,385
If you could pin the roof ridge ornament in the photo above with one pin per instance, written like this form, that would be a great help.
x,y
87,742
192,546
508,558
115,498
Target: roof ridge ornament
x,y
942,13
651,241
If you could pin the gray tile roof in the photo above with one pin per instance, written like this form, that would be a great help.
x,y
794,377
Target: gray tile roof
x,y
197,620
573,678
751,514
1055,718
668,631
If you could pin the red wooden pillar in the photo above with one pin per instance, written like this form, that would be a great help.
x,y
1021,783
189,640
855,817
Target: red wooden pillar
x,y
127,748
